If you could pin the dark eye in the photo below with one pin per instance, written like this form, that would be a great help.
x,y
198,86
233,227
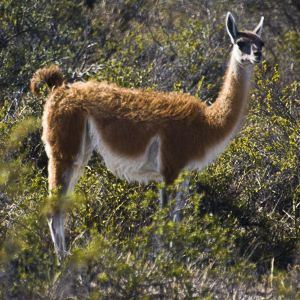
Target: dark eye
x,y
241,44
262,44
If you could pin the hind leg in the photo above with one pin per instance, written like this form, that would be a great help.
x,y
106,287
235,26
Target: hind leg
x,y
58,187
57,230
63,176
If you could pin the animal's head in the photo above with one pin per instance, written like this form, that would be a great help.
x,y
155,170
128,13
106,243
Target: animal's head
x,y
247,45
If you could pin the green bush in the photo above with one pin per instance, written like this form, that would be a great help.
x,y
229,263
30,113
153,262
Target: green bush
x,y
239,237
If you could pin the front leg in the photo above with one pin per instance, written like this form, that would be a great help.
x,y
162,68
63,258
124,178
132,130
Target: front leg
x,y
180,199
163,198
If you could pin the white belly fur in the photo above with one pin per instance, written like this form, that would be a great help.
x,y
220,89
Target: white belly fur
x,y
142,169
146,167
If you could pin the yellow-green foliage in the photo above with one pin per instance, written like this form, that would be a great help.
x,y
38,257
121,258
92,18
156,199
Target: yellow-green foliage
x,y
240,232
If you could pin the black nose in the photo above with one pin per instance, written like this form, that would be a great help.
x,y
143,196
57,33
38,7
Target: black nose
x,y
258,54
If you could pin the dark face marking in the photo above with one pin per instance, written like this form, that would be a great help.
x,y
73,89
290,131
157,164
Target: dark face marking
x,y
244,47
250,46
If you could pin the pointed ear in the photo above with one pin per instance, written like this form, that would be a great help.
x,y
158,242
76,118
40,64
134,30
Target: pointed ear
x,y
231,28
258,28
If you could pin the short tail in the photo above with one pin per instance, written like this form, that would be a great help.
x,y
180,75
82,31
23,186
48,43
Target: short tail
x,y
52,76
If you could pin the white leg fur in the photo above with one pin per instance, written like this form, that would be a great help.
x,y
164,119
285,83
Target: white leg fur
x,y
57,230
57,221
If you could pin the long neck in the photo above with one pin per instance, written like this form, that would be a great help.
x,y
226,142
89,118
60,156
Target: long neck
x,y
226,113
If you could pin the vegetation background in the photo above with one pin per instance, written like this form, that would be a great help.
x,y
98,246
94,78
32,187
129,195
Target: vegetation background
x,y
240,235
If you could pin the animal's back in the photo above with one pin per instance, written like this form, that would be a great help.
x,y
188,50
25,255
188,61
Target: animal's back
x,y
103,98
138,133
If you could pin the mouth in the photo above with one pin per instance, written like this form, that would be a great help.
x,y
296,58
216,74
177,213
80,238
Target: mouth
x,y
256,61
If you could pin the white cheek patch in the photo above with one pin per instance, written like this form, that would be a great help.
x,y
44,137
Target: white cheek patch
x,y
143,168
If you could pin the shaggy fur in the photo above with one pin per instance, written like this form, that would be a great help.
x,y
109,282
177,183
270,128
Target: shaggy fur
x,y
141,135
127,120
52,76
